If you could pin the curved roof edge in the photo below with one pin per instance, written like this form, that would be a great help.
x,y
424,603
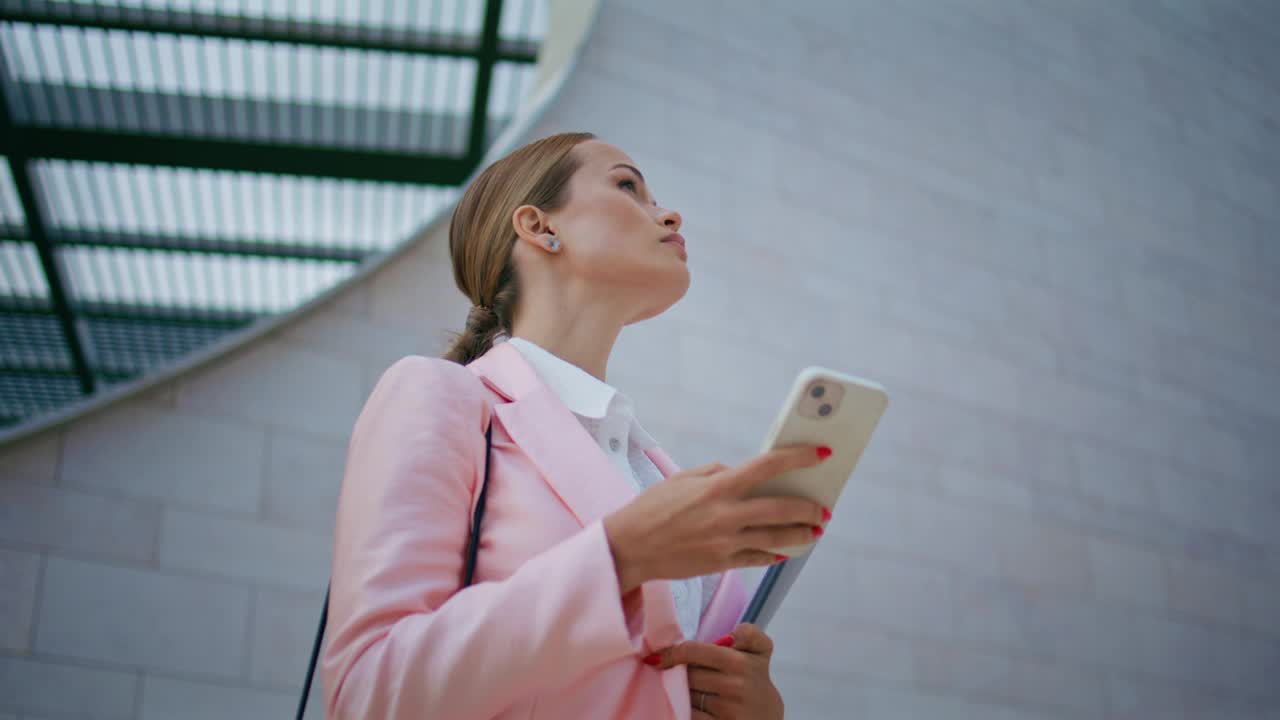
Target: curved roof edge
x,y
570,22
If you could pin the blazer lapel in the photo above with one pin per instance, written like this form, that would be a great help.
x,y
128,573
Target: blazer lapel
x,y
565,454
573,465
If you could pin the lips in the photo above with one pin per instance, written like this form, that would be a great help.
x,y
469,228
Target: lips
x,y
676,238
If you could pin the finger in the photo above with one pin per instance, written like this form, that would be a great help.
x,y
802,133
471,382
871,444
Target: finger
x,y
755,558
763,538
777,511
750,638
702,705
714,682
700,653
770,464
708,469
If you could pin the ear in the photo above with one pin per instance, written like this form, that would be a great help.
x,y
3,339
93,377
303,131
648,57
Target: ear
x,y
532,225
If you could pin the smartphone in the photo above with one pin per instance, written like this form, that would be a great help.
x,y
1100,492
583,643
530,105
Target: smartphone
x,y
823,407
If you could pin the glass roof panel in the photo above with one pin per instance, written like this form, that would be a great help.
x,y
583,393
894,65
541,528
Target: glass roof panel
x,y
127,347
32,341
27,393
20,273
224,68
465,17
523,20
11,215
511,83
251,207
149,278
188,158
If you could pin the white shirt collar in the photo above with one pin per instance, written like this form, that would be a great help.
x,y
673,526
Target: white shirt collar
x,y
582,392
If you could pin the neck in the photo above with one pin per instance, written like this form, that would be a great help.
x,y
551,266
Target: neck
x,y
579,331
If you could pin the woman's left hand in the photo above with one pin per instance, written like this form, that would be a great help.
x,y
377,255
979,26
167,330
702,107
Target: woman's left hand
x,y
728,679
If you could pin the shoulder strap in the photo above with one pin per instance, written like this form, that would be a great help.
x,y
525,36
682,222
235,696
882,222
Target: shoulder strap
x,y
473,547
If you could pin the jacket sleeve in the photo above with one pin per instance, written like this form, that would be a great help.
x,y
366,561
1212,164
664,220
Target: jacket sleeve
x,y
404,642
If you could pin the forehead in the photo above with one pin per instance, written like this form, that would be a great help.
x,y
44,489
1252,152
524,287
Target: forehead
x,y
601,155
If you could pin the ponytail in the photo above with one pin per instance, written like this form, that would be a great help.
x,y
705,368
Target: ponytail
x,y
482,238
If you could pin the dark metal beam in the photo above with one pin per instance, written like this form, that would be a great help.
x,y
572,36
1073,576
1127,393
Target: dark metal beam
x,y
263,29
124,147
229,319
33,207
314,123
208,245
486,58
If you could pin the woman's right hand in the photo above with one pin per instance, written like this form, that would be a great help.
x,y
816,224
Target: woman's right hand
x,y
701,521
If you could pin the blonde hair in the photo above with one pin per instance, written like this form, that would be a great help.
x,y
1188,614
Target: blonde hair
x,y
481,237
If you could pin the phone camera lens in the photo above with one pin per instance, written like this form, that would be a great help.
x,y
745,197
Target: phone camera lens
x,y
824,409
818,391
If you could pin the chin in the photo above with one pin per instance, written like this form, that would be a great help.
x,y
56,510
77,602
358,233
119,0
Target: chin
x,y
663,293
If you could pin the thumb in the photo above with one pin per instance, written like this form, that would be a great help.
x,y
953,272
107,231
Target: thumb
x,y
751,639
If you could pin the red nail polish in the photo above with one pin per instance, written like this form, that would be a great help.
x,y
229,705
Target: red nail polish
x,y
817,531
653,659
780,558
726,641
826,514
824,452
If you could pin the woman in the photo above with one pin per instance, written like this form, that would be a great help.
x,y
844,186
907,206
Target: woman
x,y
604,572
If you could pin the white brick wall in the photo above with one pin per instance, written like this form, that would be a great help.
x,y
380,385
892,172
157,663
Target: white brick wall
x,y
1049,228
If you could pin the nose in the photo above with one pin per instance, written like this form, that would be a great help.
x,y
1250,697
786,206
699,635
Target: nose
x,y
671,220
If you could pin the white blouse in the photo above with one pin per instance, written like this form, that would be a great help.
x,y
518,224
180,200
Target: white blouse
x,y
609,416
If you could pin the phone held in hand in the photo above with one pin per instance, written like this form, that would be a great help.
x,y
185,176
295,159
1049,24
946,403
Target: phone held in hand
x,y
823,407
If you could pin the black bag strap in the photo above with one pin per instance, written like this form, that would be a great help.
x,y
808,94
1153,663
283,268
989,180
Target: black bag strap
x,y
473,547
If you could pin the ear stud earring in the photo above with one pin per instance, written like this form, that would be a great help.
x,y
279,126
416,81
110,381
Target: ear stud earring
x,y
554,244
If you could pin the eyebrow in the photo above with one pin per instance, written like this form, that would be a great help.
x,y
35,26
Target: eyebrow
x,y
635,170
632,168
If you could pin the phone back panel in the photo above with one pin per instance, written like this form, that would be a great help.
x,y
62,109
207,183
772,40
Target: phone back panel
x,y
846,429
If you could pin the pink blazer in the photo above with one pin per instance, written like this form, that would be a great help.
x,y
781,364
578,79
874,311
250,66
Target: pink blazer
x,y
542,633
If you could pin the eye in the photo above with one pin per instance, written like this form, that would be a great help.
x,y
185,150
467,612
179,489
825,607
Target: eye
x,y
632,183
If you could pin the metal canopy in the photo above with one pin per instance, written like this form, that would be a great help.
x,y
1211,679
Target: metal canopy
x,y
173,170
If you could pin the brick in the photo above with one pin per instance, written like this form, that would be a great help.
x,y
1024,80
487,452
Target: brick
x,y
57,689
1214,505
72,520
1041,554
834,645
32,460
1258,602
1053,686
284,628
812,695
1118,476
1204,591
351,338
882,592
1128,573
304,474
731,370
167,456
906,704
961,536
18,574
417,293
173,699
986,486
1138,698
143,618
245,550
282,386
